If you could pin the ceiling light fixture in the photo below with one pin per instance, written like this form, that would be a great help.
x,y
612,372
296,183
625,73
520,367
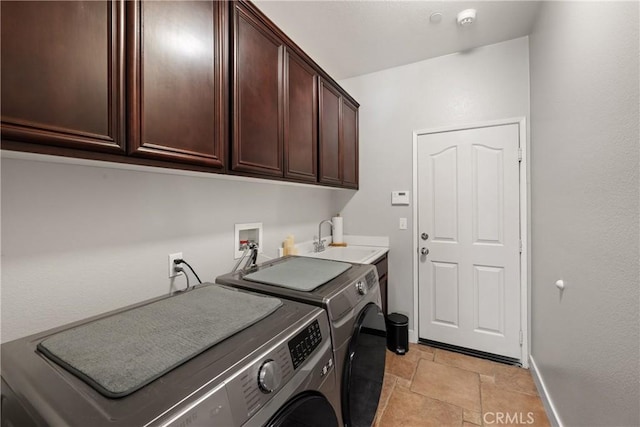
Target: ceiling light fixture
x,y
466,17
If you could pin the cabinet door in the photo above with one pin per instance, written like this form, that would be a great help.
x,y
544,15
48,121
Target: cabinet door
x,y
178,82
383,294
382,266
300,119
330,149
349,144
257,95
62,74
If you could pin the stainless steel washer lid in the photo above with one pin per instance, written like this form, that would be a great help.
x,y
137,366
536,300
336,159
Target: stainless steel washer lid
x,y
299,273
53,396
321,296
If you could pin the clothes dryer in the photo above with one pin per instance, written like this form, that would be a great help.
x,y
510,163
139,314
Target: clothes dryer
x,y
350,294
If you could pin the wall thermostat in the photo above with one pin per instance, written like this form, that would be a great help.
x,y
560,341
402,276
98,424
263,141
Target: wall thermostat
x,y
399,197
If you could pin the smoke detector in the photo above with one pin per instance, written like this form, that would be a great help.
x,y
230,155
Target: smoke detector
x,y
466,17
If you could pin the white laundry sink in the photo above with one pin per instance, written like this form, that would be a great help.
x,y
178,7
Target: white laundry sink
x,y
357,254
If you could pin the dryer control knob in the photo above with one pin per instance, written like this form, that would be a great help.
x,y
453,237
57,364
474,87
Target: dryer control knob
x,y
361,287
269,376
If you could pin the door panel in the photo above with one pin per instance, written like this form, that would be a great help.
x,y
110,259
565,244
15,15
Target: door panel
x,y
445,293
62,74
469,283
330,155
488,195
258,110
349,144
488,287
301,119
444,186
178,83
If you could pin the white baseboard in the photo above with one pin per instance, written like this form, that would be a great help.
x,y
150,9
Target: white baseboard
x,y
413,337
552,413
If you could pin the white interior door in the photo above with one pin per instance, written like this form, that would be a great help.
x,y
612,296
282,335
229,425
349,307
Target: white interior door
x,y
468,205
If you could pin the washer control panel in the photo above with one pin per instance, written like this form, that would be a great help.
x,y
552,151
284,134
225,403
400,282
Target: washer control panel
x,y
269,376
371,279
306,353
303,344
360,287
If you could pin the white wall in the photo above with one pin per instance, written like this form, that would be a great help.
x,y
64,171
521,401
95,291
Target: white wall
x,y
484,84
584,179
81,240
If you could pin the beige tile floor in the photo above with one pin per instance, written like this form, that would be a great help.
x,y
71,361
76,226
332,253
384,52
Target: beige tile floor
x,y
433,387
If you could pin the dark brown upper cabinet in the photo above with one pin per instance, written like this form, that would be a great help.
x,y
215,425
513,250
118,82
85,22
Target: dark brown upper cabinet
x,y
275,103
178,80
258,110
349,144
330,139
62,74
300,119
212,86
338,146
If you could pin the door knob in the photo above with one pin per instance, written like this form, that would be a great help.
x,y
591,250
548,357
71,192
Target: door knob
x,y
424,251
424,236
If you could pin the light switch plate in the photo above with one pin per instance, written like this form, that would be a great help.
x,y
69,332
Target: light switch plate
x,y
403,223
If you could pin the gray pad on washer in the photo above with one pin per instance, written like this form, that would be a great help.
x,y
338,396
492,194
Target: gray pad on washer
x,y
299,273
119,354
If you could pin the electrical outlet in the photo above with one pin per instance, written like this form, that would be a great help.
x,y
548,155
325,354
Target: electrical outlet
x,y
172,266
403,223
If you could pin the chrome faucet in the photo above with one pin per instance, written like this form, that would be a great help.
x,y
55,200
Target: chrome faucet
x,y
319,245
252,251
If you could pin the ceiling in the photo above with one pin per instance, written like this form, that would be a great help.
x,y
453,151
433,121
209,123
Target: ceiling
x,y
349,38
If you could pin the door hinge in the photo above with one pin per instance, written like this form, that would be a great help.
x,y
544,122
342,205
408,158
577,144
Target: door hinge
x,y
519,154
521,338
520,246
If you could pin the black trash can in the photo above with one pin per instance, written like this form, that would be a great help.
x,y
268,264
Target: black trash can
x,y
398,333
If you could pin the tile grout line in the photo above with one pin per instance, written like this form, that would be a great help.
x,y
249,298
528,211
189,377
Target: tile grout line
x,y
480,395
384,407
449,403
511,384
415,371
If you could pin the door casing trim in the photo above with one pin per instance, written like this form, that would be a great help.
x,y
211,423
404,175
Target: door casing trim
x,y
525,260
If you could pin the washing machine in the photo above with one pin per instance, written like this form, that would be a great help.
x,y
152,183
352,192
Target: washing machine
x,y
275,372
350,294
